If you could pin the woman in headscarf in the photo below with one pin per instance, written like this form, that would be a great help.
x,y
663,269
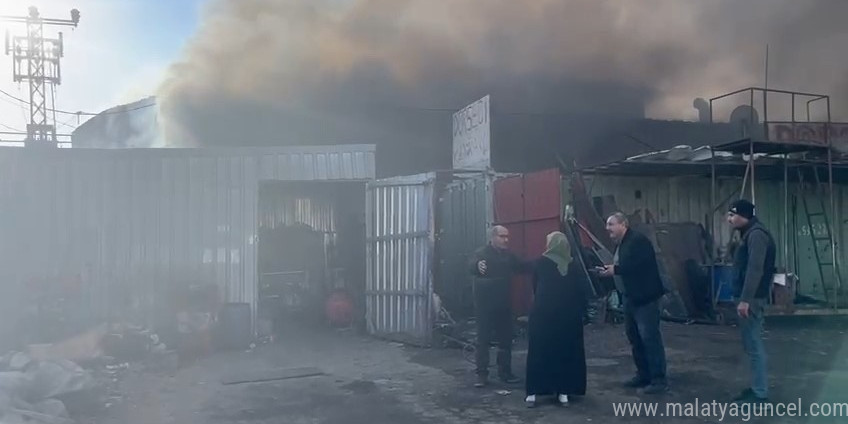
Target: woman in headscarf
x,y
556,360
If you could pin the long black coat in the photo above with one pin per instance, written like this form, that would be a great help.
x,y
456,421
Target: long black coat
x,y
556,359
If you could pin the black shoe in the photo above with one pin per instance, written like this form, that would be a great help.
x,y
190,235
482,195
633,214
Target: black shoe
x,y
655,388
745,394
509,379
481,382
748,396
637,383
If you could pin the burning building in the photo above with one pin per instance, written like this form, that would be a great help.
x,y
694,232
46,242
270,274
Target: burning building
x,y
131,125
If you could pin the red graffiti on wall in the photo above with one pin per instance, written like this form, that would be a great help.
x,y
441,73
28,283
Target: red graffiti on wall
x,y
808,133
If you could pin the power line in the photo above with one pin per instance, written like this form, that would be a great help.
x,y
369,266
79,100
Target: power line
x,y
67,125
81,113
11,129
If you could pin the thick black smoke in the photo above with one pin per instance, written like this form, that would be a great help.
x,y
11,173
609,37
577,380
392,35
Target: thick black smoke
x,y
270,72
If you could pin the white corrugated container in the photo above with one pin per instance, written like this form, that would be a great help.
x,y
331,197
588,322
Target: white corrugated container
x,y
133,222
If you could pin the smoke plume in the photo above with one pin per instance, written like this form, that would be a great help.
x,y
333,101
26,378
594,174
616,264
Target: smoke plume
x,y
261,72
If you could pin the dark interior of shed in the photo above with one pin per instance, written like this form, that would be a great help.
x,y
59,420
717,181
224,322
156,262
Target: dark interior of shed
x,y
311,256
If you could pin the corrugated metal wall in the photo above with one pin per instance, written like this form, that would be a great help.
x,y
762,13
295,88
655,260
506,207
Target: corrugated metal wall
x,y
688,199
465,213
400,237
135,223
284,210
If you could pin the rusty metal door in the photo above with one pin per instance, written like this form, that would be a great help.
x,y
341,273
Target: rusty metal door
x,y
400,238
530,207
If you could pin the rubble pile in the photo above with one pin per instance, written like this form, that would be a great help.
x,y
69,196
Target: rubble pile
x,y
31,390
45,383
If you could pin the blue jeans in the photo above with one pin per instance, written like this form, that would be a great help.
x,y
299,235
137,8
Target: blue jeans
x,y
642,324
752,341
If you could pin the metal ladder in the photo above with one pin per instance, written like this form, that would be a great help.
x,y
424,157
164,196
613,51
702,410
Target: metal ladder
x,y
817,220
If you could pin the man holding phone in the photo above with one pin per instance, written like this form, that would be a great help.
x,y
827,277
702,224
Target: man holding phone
x,y
638,281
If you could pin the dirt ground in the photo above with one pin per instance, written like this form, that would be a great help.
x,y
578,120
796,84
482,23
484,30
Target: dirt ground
x,y
372,381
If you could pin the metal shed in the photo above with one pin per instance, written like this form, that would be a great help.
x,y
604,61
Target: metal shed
x,y
130,223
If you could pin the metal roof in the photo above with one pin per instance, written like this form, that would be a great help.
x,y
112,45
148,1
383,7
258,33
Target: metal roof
x,y
292,163
698,162
744,146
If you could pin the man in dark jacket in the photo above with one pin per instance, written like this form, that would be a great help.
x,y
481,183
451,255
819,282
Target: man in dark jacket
x,y
754,266
637,278
493,267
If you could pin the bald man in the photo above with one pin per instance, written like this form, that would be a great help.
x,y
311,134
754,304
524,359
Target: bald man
x,y
493,267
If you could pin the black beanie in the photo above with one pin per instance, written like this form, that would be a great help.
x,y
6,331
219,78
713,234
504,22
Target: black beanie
x,y
743,208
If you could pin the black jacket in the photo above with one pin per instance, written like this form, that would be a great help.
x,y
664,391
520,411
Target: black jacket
x,y
492,290
638,269
754,263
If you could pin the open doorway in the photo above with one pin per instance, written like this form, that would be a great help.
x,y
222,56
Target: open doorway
x,y
311,253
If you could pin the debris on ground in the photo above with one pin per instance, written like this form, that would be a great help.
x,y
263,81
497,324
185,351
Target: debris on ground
x,y
131,343
46,384
272,375
31,389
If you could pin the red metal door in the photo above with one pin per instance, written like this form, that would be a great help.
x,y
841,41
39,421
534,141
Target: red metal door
x,y
530,207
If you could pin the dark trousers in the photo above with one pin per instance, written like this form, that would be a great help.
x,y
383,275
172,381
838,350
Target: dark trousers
x,y
643,331
494,324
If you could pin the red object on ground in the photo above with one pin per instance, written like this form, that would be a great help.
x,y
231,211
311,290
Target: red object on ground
x,y
339,309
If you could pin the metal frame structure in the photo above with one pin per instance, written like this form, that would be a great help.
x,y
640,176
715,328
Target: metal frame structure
x,y
772,142
42,57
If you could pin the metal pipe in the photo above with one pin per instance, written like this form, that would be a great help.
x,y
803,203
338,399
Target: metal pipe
x,y
712,225
712,189
765,100
833,216
800,93
786,213
751,151
817,96
711,114
731,94
751,159
793,115
786,198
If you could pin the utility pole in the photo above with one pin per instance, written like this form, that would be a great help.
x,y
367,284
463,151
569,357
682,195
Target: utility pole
x,y
36,59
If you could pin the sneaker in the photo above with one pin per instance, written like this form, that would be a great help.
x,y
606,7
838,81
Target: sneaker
x,y
530,401
563,400
636,383
481,382
655,388
510,379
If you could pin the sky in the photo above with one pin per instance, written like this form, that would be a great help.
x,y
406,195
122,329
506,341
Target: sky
x,y
118,54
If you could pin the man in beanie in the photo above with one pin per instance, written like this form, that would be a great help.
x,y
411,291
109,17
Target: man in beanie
x,y
754,266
